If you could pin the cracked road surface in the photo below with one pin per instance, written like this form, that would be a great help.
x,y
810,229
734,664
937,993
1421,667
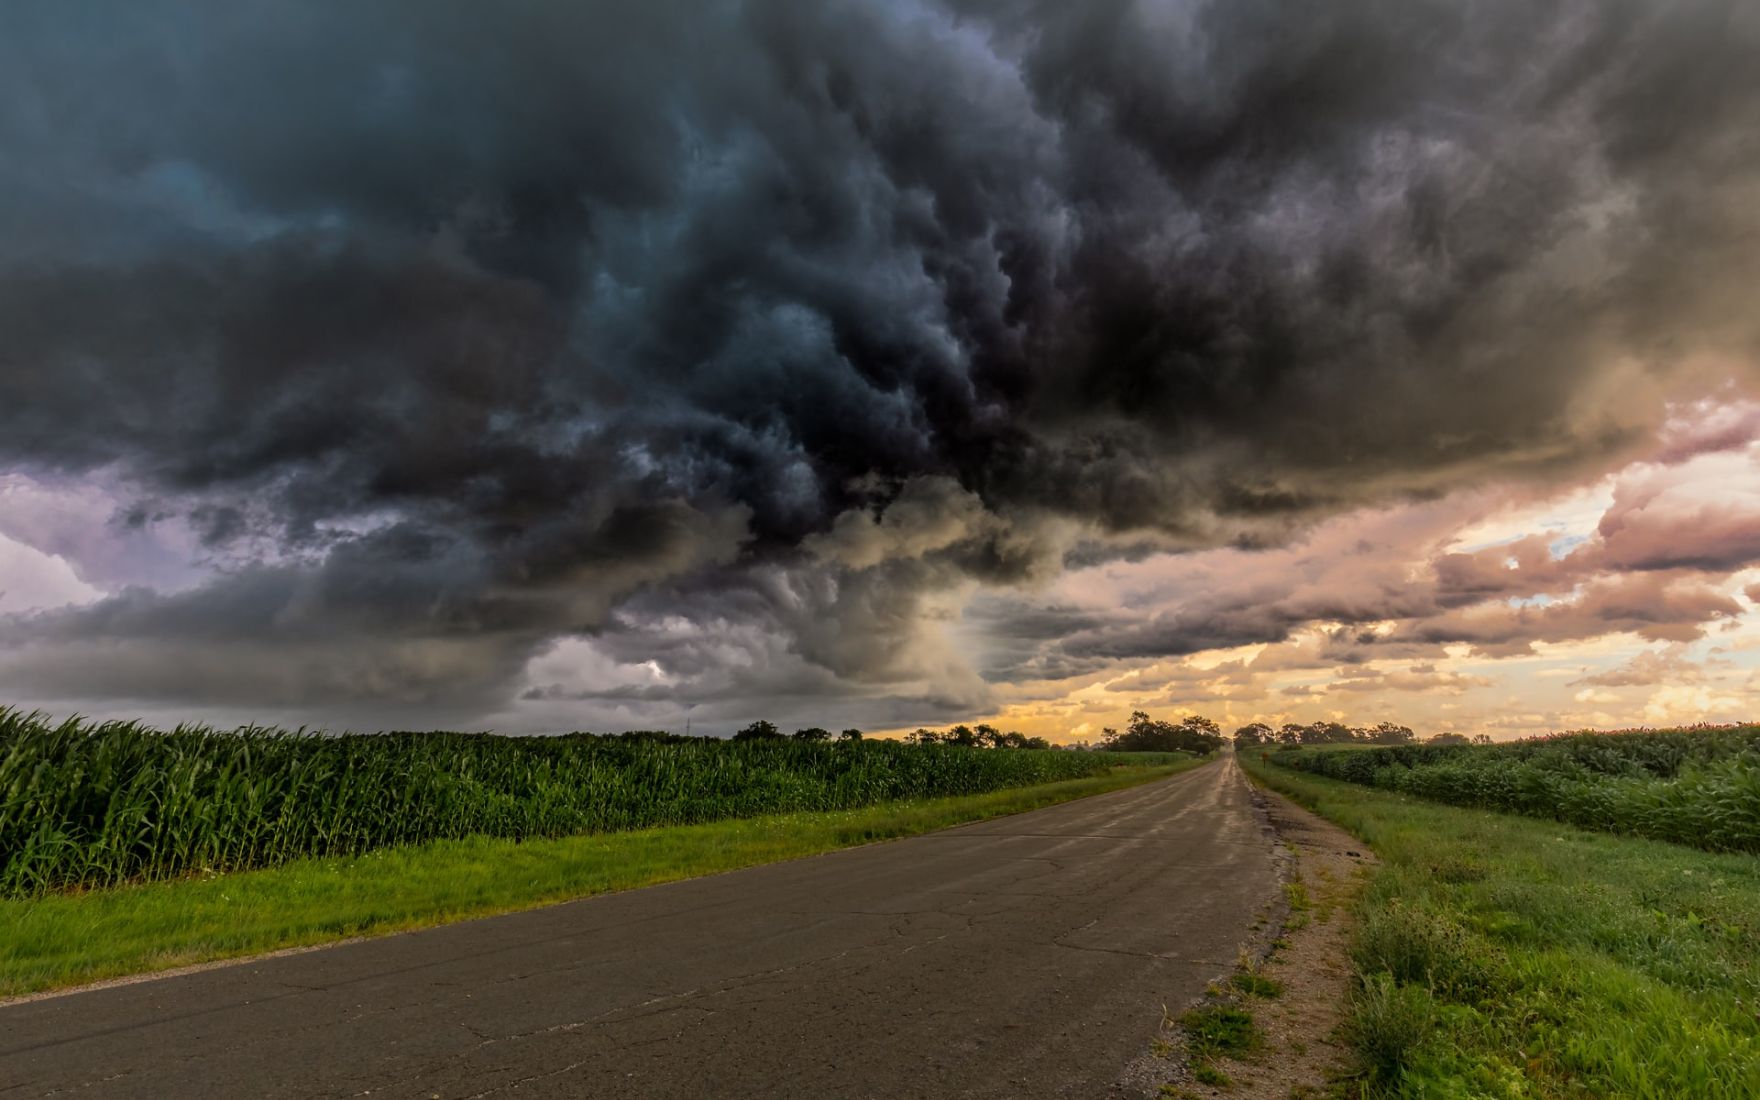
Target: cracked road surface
x,y
1024,956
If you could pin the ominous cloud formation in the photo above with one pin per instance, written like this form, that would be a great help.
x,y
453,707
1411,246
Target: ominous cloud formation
x,y
757,352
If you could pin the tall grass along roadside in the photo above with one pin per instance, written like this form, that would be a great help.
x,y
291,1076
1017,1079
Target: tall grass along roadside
x,y
98,804
1698,787
1502,956
69,938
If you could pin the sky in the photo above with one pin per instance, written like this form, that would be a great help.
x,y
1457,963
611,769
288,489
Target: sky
x,y
550,366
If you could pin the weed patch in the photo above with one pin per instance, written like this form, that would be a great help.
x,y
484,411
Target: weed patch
x,y
1254,985
1388,1023
1219,1029
1422,946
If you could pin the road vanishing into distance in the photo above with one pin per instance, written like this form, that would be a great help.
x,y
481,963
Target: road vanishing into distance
x,y
1024,956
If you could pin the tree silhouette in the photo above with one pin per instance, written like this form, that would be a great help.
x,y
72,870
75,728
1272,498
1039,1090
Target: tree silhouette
x,y
1254,733
1145,734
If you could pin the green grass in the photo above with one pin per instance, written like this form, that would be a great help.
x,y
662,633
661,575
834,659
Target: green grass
x,y
1696,786
1503,956
1256,985
1218,1028
100,804
71,938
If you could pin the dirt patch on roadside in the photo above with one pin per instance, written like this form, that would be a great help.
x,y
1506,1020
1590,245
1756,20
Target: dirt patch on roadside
x,y
1296,992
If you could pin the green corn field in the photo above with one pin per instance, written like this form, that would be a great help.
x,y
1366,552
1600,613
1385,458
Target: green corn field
x,y
98,804
1694,786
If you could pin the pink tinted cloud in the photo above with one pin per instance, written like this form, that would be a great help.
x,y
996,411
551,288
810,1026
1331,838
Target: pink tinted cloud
x,y
1357,568
1654,566
1708,426
1525,567
1654,606
1675,520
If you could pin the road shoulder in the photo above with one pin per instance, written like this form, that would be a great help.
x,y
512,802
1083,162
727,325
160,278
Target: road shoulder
x,y
1295,988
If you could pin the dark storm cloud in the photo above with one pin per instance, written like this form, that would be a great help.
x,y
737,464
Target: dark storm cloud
x,y
1179,633
795,644
400,618
590,299
1019,638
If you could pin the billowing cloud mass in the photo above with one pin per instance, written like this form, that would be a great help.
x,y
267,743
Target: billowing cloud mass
x,y
586,365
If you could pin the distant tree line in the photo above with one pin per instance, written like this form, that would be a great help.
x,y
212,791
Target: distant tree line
x,y
977,737
1458,739
767,731
1145,734
1337,733
757,731
1195,734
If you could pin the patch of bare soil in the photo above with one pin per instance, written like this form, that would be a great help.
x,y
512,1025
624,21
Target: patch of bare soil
x,y
1295,984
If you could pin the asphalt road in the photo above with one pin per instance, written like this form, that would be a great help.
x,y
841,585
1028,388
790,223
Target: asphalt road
x,y
1025,956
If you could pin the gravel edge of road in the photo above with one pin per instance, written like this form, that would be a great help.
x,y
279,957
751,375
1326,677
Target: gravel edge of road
x,y
1303,947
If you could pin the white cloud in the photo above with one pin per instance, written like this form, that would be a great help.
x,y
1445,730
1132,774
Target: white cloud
x,y
31,580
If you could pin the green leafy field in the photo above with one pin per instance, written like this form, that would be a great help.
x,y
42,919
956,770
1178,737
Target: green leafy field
x,y
1503,956
73,937
85,804
1699,787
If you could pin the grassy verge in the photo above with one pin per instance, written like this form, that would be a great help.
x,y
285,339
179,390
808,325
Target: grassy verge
x,y
1697,786
1502,956
72,938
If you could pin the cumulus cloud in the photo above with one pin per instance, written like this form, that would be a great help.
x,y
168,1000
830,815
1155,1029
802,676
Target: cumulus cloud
x,y
1426,678
36,580
1651,666
570,321
1661,522
1724,422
